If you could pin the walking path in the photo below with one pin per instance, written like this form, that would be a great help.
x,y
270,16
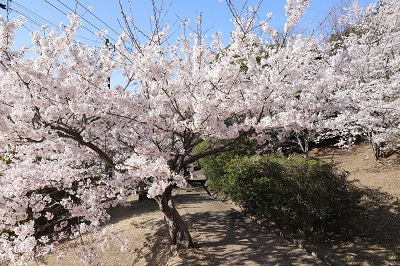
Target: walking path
x,y
226,237
222,235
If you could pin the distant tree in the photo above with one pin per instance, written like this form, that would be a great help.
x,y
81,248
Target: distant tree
x,y
368,69
332,25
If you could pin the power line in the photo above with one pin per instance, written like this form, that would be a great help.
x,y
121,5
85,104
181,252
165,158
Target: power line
x,y
40,21
37,19
105,39
62,12
33,13
85,20
26,16
97,17
87,10
22,11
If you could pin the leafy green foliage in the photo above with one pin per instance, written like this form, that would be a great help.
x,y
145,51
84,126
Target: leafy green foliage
x,y
214,165
307,197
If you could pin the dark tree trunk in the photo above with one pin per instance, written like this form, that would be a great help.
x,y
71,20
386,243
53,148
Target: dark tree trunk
x,y
178,231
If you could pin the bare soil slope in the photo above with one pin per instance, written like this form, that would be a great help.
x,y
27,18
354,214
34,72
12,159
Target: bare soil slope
x,y
373,238
383,174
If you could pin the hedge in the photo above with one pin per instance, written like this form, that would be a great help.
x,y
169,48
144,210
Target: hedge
x,y
307,197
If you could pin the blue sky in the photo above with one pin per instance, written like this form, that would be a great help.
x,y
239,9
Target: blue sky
x,y
216,15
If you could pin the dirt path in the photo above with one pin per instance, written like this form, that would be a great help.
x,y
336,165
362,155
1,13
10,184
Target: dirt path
x,y
225,237
222,235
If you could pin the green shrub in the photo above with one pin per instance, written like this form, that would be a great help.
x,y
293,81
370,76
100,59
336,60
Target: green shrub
x,y
307,197
214,166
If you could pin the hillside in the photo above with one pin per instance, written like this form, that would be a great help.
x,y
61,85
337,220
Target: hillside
x,y
359,161
374,239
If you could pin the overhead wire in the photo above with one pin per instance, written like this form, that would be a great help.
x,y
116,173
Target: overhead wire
x,y
37,23
84,20
40,21
36,18
13,3
99,19
105,39
65,14
22,14
105,24
34,21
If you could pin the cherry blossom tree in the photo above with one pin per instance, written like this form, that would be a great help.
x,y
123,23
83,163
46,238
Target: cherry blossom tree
x,y
367,60
310,100
74,146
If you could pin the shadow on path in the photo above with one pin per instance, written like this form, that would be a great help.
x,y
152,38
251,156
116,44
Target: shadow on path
x,y
224,236
131,209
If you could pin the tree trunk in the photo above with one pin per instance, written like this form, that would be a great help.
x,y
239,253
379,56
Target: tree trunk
x,y
376,147
178,231
304,148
